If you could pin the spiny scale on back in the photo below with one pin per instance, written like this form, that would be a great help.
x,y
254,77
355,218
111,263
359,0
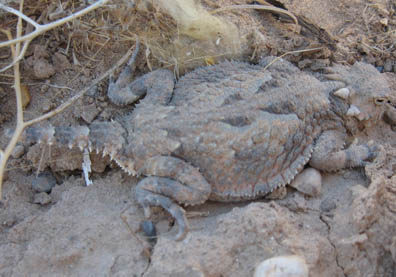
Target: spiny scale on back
x,y
231,131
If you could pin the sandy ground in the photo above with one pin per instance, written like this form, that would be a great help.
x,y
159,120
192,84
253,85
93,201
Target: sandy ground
x,y
57,226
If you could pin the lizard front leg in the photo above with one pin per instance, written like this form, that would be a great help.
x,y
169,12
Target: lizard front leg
x,y
329,155
173,180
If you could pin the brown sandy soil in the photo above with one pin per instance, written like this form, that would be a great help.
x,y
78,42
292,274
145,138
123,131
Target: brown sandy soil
x,y
74,230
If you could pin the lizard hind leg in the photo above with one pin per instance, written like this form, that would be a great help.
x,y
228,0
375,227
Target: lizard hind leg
x,y
148,193
172,180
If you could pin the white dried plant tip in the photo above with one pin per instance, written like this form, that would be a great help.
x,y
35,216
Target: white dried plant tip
x,y
342,93
282,266
353,111
86,166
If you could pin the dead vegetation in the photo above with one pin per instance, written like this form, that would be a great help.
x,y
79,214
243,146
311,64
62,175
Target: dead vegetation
x,y
19,46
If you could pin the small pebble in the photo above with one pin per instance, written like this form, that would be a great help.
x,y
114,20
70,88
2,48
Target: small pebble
x,y
384,21
388,66
282,266
327,205
18,151
42,198
8,221
93,91
380,68
46,107
44,182
308,182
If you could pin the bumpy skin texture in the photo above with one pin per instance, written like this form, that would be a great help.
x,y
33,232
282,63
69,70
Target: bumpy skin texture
x,y
232,131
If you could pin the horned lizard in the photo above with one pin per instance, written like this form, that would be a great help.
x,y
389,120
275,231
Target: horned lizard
x,y
232,131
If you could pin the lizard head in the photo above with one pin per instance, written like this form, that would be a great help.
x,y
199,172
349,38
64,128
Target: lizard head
x,y
366,93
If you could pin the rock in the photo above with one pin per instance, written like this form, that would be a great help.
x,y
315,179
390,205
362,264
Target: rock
x,y
308,182
282,266
42,198
327,205
44,182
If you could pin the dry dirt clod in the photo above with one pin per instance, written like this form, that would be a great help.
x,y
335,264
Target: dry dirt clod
x,y
61,62
44,182
42,69
42,198
89,113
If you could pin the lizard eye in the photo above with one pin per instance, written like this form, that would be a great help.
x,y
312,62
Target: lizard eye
x,y
379,101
